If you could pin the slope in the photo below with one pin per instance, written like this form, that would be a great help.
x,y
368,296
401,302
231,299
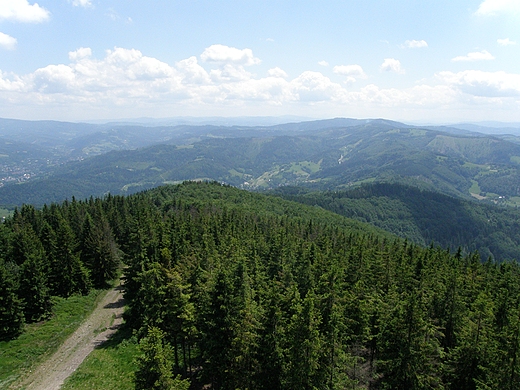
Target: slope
x,y
424,217
317,155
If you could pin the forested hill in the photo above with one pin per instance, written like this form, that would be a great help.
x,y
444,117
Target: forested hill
x,y
231,290
423,217
323,155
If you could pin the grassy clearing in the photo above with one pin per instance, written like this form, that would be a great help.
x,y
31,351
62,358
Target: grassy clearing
x,y
418,132
515,201
5,213
109,367
304,168
234,172
468,164
40,340
515,159
474,189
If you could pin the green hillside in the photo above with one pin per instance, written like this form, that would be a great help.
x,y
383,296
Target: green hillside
x,y
424,217
316,157
230,289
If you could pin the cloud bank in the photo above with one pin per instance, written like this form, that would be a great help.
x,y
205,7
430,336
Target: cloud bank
x,y
217,83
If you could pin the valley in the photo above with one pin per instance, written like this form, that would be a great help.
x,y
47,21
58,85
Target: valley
x,y
301,250
322,155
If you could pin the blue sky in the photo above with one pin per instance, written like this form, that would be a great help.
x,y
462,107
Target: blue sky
x,y
431,61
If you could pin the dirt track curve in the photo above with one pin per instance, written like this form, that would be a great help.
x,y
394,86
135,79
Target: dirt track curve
x,y
97,328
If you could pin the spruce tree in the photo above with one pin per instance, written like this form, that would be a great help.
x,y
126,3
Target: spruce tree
x,y
33,281
154,364
68,273
99,251
11,307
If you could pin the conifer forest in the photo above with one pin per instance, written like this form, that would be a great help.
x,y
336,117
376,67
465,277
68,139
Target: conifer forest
x,y
236,290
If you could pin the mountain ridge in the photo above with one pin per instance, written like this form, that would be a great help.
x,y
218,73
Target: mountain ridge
x,y
319,154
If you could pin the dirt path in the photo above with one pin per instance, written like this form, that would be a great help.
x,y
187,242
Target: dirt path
x,y
97,328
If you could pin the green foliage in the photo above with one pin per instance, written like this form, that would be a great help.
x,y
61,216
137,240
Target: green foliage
x,y
154,364
425,217
99,252
43,255
236,290
33,289
303,345
11,307
70,274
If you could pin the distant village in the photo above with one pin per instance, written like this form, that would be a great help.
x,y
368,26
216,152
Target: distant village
x,y
15,174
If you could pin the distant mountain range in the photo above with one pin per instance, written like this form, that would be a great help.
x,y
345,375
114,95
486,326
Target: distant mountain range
x,y
67,159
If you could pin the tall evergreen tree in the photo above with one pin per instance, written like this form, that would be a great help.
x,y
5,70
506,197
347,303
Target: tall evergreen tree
x,y
99,251
179,321
68,273
33,287
11,307
154,364
304,346
217,333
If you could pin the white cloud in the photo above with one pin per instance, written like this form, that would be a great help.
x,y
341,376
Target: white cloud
x,y
7,42
123,74
230,73
483,55
135,66
350,70
271,91
353,72
315,87
277,72
81,3
226,54
22,11
192,72
506,42
391,65
413,44
54,79
484,84
81,53
323,63
126,82
11,83
493,7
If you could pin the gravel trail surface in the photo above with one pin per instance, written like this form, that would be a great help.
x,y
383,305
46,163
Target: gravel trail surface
x,y
97,328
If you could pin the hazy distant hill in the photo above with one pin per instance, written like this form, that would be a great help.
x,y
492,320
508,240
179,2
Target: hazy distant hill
x,y
491,127
50,134
329,154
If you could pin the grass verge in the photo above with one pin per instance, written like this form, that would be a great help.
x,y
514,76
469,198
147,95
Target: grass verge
x,y
41,340
108,367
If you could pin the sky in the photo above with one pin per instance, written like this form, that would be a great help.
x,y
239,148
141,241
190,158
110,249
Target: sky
x,y
429,61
